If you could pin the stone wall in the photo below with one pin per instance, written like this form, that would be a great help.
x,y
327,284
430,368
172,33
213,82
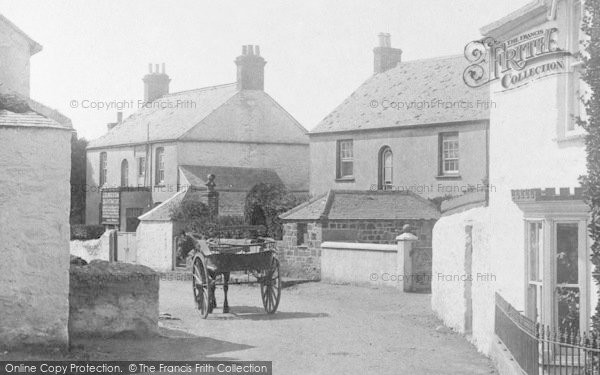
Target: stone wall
x,y
301,261
108,299
304,261
35,201
377,231
93,249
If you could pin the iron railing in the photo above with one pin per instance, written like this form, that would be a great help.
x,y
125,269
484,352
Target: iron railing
x,y
541,350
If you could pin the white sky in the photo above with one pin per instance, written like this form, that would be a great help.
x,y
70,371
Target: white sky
x,y
318,51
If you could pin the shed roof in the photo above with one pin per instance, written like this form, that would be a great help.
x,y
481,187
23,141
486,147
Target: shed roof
x,y
229,178
429,91
364,205
163,211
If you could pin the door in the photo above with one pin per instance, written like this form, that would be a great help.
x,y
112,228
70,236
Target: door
x,y
126,247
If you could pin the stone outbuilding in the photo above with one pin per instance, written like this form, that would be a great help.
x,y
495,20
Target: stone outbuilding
x,y
351,216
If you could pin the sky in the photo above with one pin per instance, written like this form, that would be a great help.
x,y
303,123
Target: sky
x,y
317,51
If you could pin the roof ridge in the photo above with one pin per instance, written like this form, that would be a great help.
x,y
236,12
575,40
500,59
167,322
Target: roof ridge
x,y
225,166
444,57
302,205
168,201
198,89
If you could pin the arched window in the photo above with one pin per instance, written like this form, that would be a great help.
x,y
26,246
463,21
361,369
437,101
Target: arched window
x,y
124,173
103,169
385,168
160,166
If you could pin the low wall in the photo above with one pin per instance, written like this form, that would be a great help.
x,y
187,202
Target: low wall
x,y
92,249
107,299
155,244
360,263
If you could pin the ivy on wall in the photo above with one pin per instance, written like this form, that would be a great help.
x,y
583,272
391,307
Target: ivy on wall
x,y
264,204
591,181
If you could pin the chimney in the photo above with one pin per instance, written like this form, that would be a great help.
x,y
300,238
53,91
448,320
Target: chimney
x,y
156,83
386,57
250,69
111,125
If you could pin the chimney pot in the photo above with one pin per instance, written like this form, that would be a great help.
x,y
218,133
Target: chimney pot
x,y
150,68
250,69
156,84
163,68
386,57
381,39
119,117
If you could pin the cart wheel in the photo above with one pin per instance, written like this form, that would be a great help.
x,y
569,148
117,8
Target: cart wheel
x,y
270,288
200,284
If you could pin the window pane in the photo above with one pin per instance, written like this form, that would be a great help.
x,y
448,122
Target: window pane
x,y
567,253
450,153
346,169
568,309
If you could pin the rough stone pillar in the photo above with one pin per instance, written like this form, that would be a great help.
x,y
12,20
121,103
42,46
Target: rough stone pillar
x,y
213,197
405,241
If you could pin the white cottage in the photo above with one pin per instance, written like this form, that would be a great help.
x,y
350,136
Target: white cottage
x,y
526,250
35,152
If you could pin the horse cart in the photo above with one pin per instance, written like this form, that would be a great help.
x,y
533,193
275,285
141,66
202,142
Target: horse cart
x,y
214,259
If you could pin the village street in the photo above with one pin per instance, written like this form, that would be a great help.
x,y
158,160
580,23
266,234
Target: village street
x,y
318,329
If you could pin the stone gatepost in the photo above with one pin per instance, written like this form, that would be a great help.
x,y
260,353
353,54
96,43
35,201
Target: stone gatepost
x,y
406,242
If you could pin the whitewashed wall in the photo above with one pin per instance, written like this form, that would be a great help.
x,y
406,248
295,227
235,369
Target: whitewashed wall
x,y
92,249
360,263
449,272
34,240
155,244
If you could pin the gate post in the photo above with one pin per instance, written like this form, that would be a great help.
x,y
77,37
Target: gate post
x,y
405,242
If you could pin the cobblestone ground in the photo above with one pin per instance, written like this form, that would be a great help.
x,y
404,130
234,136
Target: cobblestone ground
x,y
318,329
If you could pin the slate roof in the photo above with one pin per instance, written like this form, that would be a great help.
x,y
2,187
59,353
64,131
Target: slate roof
x,y
162,212
17,110
364,205
418,82
169,117
27,119
229,178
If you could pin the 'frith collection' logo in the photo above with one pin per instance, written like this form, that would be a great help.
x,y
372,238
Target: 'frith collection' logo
x,y
514,62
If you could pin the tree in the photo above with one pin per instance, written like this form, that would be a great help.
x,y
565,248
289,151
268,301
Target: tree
x,y
264,204
78,171
196,218
591,181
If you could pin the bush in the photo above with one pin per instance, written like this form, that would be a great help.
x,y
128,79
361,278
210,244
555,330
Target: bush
x,y
84,232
